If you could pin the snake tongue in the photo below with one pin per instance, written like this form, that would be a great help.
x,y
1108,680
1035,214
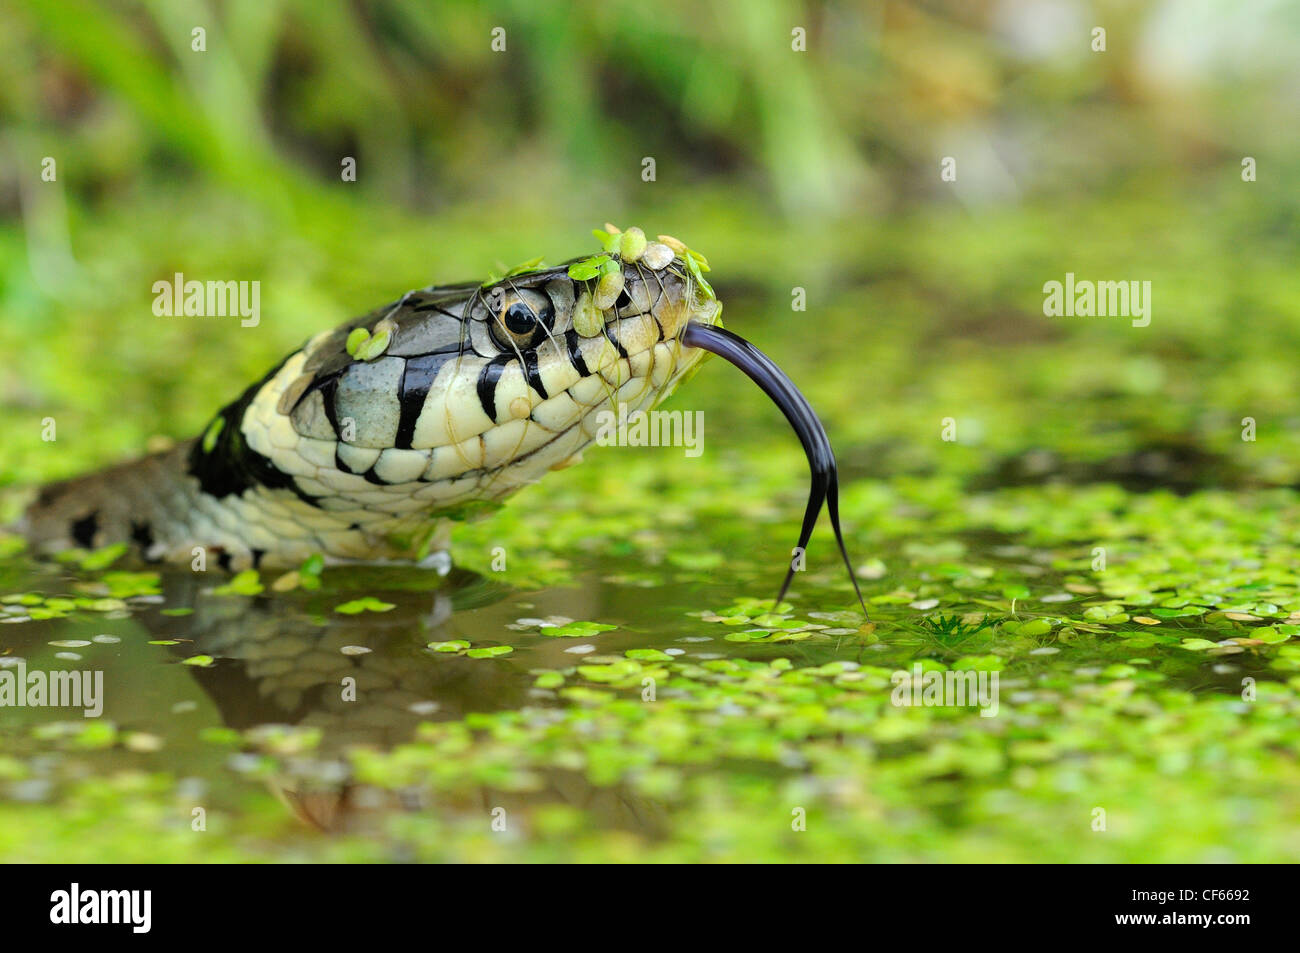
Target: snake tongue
x,y
821,459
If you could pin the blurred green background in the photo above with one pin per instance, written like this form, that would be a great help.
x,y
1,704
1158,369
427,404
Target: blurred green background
x,y
816,169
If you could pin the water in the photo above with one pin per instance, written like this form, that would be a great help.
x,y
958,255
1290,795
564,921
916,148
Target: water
x,y
295,688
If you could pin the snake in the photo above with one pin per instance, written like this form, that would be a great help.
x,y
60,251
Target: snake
x,y
369,441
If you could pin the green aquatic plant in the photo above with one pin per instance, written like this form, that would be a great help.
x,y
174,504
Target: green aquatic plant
x,y
951,631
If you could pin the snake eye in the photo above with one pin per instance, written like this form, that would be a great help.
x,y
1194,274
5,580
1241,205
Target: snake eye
x,y
523,320
520,319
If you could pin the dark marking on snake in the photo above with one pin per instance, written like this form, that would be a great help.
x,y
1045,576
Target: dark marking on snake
x,y
417,378
573,342
488,379
328,393
231,466
609,336
533,374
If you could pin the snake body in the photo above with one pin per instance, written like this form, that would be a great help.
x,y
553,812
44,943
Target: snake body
x,y
361,444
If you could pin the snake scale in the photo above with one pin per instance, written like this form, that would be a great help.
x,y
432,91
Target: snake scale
x,y
361,444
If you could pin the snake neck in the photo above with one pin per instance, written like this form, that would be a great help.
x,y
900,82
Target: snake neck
x,y
216,500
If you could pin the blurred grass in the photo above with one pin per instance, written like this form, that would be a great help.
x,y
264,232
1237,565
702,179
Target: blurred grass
x,y
815,169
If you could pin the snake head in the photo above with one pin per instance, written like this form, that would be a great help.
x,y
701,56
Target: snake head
x,y
465,393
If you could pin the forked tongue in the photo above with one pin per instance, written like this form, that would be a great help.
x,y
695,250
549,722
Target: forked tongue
x,y
821,459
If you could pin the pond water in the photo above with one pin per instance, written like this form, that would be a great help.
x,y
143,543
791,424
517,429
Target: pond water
x,y
393,729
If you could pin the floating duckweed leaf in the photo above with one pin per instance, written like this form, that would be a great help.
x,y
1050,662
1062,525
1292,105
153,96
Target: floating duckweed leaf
x,y
164,642
283,739
549,680
121,584
96,733
693,266
103,558
202,661
246,583
221,736
750,606
1107,614
490,651
177,611
586,696
614,672
92,734
1198,645
872,569
364,604
588,268
527,267
632,244
306,576
648,655
979,663
452,645
696,560
1030,627
609,287
1163,613
143,742
375,345
356,338
609,237
287,582
771,620
576,630
587,318
101,605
